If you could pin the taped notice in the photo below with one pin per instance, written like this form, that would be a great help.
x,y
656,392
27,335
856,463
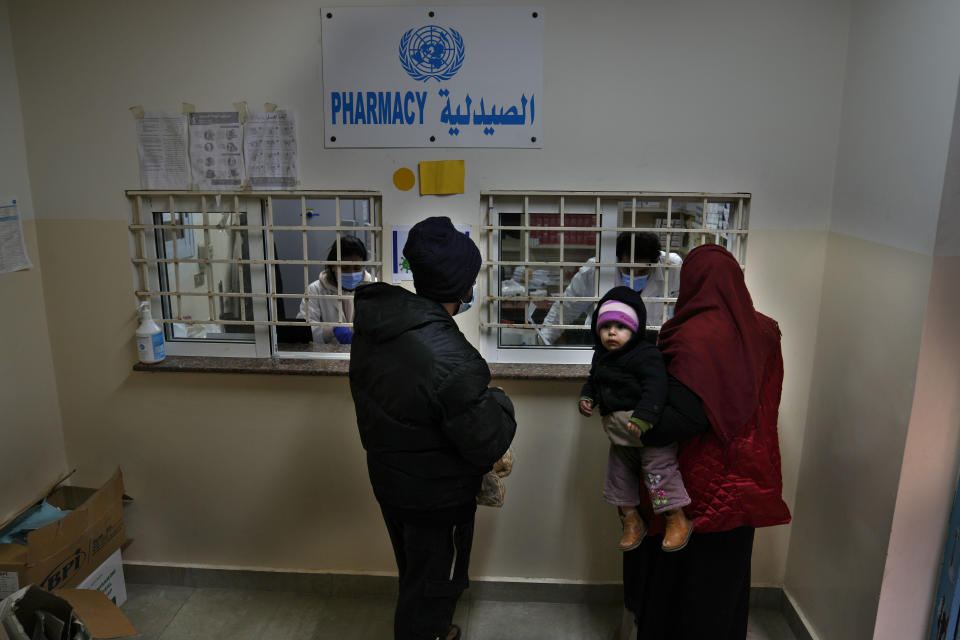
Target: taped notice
x,y
13,252
9,583
270,148
216,150
162,146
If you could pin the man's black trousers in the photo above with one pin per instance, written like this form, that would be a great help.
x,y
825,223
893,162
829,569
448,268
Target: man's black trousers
x,y
432,559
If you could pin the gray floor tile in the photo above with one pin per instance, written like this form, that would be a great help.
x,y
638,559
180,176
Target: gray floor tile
x,y
246,615
151,608
360,618
768,624
462,616
543,621
368,618
184,613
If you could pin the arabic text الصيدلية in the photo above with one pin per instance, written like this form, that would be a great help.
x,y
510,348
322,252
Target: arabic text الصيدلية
x,y
511,116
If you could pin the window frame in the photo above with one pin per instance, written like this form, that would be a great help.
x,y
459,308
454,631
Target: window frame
x,y
260,229
607,225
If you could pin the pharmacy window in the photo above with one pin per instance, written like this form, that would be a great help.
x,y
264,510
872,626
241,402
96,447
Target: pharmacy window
x,y
255,274
552,255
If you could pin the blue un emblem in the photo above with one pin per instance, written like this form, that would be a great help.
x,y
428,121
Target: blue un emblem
x,y
431,52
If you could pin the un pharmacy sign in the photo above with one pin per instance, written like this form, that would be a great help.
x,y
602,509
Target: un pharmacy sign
x,y
432,77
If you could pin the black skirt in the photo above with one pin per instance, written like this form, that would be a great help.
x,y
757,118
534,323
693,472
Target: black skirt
x,y
702,591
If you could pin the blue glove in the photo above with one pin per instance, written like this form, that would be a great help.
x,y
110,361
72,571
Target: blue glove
x,y
344,335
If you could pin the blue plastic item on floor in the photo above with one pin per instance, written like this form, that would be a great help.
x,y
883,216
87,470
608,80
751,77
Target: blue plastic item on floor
x,y
33,518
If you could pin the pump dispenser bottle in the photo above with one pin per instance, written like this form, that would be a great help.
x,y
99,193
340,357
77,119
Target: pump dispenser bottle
x,y
150,345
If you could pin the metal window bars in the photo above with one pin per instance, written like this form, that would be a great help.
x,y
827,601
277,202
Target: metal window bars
x,y
171,213
690,218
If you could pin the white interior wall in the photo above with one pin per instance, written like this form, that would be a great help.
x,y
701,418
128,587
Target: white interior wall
x,y
743,96
32,455
898,104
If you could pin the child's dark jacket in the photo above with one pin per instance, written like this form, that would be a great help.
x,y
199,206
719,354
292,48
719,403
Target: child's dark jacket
x,y
632,378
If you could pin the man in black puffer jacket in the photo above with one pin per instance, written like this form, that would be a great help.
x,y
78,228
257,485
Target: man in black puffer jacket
x,y
428,420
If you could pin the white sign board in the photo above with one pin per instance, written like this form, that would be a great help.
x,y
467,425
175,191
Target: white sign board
x,y
432,76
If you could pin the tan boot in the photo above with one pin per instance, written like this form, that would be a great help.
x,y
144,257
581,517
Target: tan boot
x,y
679,529
634,528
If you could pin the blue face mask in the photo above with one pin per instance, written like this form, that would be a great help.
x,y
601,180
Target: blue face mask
x,y
469,303
350,281
639,282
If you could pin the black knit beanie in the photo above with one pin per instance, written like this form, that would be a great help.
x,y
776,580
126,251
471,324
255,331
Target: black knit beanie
x,y
444,262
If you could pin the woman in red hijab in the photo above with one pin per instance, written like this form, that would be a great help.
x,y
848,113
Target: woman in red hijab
x,y
725,367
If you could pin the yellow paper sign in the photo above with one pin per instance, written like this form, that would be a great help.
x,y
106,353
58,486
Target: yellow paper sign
x,y
441,177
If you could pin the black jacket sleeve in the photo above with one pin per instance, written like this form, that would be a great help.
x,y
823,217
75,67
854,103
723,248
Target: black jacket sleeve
x,y
478,419
586,391
683,417
652,373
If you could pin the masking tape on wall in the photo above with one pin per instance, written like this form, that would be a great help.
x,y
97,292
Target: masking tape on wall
x,y
241,108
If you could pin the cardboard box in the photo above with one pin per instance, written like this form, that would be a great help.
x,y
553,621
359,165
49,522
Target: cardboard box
x,y
66,614
63,553
108,579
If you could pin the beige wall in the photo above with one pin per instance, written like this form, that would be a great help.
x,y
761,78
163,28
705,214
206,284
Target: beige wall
x,y
928,479
32,453
860,404
784,274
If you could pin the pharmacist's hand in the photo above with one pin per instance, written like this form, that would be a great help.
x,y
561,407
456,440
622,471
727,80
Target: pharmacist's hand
x,y
586,408
344,335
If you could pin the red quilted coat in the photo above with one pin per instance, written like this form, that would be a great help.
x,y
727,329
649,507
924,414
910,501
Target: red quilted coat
x,y
729,355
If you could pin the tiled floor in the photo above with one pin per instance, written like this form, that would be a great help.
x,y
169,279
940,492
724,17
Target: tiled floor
x,y
186,613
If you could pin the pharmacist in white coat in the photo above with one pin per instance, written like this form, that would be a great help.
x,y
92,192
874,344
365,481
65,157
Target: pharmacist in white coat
x,y
649,281
330,309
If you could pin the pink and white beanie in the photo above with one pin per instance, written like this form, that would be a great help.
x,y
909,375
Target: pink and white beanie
x,y
615,311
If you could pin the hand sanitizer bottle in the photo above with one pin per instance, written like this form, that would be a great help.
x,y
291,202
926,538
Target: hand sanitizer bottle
x,y
150,345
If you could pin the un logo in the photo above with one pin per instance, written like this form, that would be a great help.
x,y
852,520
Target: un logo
x,y
431,52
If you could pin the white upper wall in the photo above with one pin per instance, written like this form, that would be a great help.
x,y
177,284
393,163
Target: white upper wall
x,y
898,110
14,180
737,96
948,229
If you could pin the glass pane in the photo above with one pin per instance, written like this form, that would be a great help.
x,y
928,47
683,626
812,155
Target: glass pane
x,y
356,244
537,278
201,316
514,282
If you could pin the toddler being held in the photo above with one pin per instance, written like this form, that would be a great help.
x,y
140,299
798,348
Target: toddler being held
x,y
628,384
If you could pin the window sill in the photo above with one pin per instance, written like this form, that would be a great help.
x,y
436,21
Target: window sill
x,y
339,367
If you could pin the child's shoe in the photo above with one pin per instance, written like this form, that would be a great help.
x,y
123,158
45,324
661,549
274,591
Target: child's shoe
x,y
679,530
634,528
